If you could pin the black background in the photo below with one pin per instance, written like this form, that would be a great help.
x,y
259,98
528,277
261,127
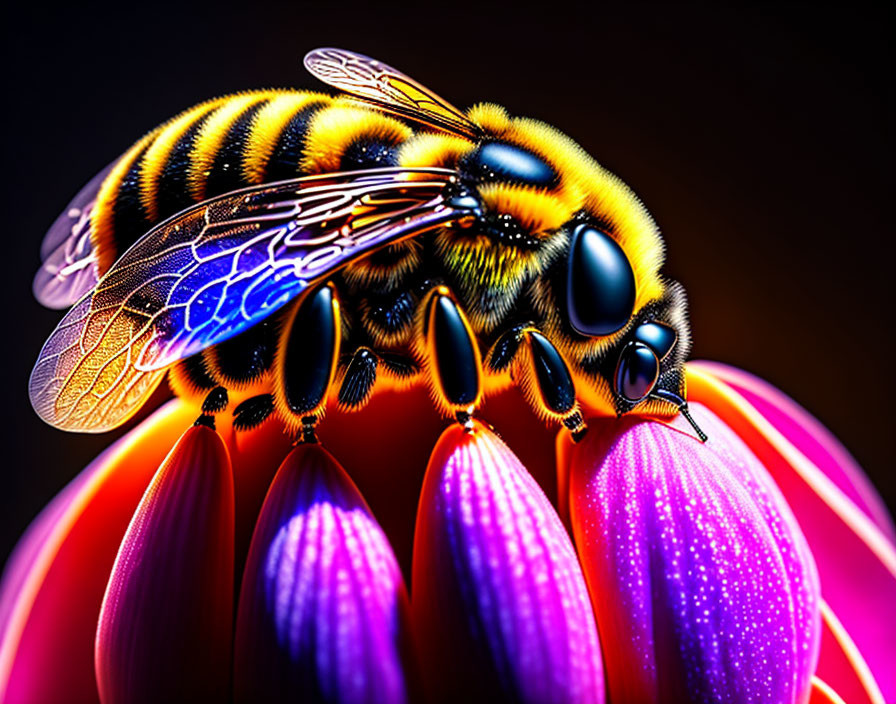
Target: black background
x,y
760,139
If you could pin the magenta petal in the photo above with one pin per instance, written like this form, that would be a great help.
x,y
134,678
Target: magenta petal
x,y
856,561
500,607
53,588
810,437
703,586
166,624
27,551
323,606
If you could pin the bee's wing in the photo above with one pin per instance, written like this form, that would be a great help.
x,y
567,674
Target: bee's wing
x,y
214,270
388,88
68,264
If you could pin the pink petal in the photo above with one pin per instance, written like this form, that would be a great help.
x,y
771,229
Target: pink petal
x,y
53,589
166,623
841,665
703,586
856,560
322,612
499,604
29,548
808,436
823,693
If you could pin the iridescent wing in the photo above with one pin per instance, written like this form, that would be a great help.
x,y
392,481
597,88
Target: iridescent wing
x,y
388,88
215,270
68,264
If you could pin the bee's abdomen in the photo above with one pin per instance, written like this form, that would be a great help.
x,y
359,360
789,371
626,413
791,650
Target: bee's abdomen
x,y
226,144
273,150
223,145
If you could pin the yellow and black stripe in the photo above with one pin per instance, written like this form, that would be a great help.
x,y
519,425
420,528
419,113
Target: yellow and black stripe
x,y
229,143
220,146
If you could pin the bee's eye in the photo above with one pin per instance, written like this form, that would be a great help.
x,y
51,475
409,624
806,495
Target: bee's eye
x,y
498,161
658,337
600,288
636,372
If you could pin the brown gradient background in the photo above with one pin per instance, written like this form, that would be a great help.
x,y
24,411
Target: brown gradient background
x,y
761,140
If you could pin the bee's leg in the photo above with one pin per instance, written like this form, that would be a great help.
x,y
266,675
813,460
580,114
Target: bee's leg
x,y
190,380
358,380
215,401
682,404
241,364
362,370
451,356
306,360
540,370
253,412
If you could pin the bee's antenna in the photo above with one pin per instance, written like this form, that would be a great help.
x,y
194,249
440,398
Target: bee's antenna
x,y
672,397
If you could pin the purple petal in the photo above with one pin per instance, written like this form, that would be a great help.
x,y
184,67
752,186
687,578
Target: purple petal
x,y
703,586
166,624
500,606
323,606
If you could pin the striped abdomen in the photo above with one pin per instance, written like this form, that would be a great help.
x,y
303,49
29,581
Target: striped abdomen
x,y
220,146
229,143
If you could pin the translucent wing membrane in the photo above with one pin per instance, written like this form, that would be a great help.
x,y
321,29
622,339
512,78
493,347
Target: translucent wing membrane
x,y
388,88
68,264
215,270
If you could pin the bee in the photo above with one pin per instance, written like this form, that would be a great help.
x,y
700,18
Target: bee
x,y
273,251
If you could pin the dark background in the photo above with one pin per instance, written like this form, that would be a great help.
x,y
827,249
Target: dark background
x,y
760,139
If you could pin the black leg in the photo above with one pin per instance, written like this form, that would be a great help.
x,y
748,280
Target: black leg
x,y
307,357
215,401
452,355
542,372
253,412
359,379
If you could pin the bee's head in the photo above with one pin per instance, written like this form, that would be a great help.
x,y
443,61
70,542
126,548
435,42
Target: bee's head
x,y
594,282
560,233
624,346
645,367
520,171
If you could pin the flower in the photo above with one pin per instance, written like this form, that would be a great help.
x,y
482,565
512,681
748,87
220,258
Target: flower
x,y
703,585
758,567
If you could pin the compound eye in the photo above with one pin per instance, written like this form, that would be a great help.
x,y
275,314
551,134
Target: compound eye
x,y
636,372
658,337
600,288
499,161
